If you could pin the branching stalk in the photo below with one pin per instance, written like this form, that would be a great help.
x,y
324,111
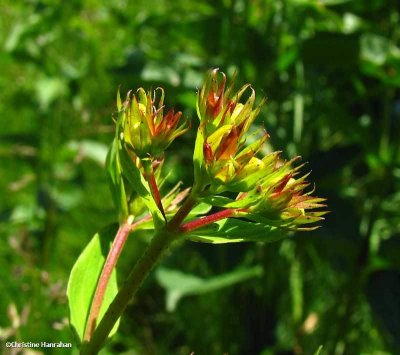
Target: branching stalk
x,y
112,258
160,242
157,247
206,220
155,191
182,213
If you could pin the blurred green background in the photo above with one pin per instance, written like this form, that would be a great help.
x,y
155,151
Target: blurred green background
x,y
331,72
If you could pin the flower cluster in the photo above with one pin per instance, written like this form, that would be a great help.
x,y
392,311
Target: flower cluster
x,y
146,130
279,198
271,197
146,133
269,188
224,122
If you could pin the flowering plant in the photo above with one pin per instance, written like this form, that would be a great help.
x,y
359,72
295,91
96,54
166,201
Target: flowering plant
x,y
270,196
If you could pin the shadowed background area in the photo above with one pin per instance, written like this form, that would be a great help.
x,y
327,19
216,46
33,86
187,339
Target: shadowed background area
x,y
330,70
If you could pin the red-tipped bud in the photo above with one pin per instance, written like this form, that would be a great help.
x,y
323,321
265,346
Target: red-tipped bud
x,y
146,130
215,96
282,184
207,151
228,146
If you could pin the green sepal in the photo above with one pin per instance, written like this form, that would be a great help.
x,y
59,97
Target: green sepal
x,y
133,174
214,140
198,162
139,184
119,101
287,224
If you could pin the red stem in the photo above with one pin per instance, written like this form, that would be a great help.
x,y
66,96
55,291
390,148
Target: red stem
x,y
109,265
155,192
204,221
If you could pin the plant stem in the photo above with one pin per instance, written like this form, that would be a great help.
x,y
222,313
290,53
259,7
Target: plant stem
x,y
203,221
185,209
112,258
157,247
155,192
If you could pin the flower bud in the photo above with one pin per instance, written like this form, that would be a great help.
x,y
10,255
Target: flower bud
x,y
282,199
268,188
146,130
224,123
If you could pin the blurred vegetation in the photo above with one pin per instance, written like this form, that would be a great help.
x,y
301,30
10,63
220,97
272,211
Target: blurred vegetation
x,y
331,72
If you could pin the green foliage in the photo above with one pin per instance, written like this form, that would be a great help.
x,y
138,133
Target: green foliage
x,y
138,184
83,281
330,72
114,170
235,230
318,352
179,284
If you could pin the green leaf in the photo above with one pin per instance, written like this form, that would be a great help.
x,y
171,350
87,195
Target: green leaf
x,y
200,209
50,89
160,73
216,200
179,284
117,183
83,281
318,351
233,230
89,149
